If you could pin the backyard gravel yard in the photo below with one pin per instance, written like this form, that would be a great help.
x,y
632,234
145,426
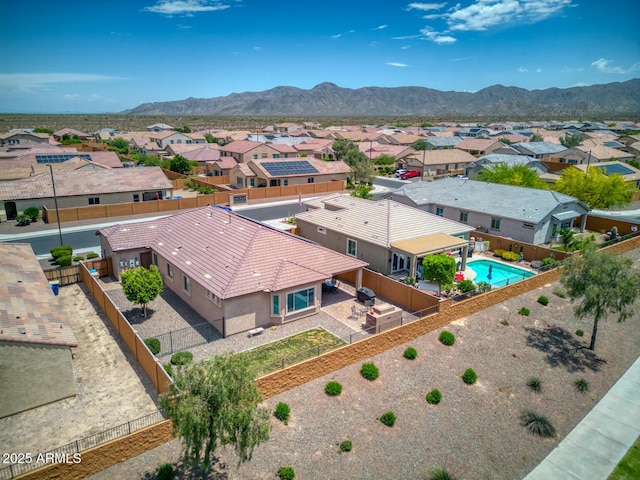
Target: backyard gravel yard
x,y
475,431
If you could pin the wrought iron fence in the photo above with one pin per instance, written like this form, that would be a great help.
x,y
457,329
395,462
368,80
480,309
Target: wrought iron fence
x,y
185,338
66,452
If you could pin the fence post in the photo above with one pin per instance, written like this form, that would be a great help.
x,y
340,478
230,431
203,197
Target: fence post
x,y
129,427
170,342
77,447
318,350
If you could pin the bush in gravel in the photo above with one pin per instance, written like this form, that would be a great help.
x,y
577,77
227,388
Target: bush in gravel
x,y
535,384
439,473
153,344
434,396
524,311
166,472
469,376
346,446
32,212
410,353
369,371
542,300
181,358
91,255
504,321
579,332
286,473
510,256
465,286
64,261
169,369
388,418
78,258
61,251
560,292
538,424
582,385
23,220
282,412
447,338
333,389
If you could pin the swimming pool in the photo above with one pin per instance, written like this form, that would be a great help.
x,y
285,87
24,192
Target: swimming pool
x,y
496,273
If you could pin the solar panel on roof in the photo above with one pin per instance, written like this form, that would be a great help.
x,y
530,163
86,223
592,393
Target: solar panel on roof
x,y
614,168
612,144
279,169
61,157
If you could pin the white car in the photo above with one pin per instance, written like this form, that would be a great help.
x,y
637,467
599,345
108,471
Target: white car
x,y
400,172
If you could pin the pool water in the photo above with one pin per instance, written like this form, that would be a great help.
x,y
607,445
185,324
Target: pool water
x,y
501,274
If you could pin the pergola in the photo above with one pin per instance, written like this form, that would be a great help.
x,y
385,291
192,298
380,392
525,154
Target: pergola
x,y
431,244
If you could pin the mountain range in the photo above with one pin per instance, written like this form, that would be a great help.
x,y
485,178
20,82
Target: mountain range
x,y
328,99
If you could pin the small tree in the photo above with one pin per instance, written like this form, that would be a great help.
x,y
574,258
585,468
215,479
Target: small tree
x,y
568,238
180,165
141,285
440,269
215,402
569,141
607,284
536,137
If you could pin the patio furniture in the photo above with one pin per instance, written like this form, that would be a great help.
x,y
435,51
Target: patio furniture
x,y
256,331
366,295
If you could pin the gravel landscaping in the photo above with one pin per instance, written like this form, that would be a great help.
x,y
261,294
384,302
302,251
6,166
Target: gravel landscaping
x,y
475,430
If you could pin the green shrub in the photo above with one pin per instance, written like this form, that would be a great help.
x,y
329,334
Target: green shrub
x,y
466,286
498,252
535,384
166,472
542,300
537,424
346,446
32,212
369,371
23,220
434,396
153,344
286,473
524,311
483,287
469,376
447,338
61,251
169,369
78,258
510,256
410,353
333,389
64,261
579,332
545,262
439,473
560,292
388,418
582,385
504,321
282,412
91,255
181,358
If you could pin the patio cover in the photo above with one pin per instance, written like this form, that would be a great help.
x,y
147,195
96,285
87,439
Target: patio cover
x,y
421,246
568,215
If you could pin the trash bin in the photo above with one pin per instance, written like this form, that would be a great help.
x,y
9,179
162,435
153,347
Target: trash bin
x,y
366,294
55,287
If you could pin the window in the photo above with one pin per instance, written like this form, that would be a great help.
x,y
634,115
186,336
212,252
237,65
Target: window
x,y
255,156
286,182
495,223
170,271
300,300
464,217
275,305
155,259
239,182
311,180
94,200
398,262
136,197
252,182
440,211
528,225
214,298
186,284
276,155
322,230
274,182
265,155
352,247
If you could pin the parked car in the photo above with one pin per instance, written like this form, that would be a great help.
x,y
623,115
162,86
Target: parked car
x,y
399,172
409,174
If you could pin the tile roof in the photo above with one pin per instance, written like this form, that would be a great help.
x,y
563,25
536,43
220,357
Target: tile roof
x,y
450,155
29,311
230,255
241,146
538,148
447,141
86,182
323,168
476,143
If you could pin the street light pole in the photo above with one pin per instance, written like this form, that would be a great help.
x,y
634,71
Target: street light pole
x,y
55,199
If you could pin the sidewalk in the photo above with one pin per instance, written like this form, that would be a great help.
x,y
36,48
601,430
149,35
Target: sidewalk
x,y
597,444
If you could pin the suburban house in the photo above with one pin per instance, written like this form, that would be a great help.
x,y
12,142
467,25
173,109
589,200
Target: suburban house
x,y
23,137
238,274
440,143
35,335
523,214
439,162
317,148
374,150
479,146
510,160
79,188
539,150
280,173
243,151
201,153
221,166
72,132
166,138
391,237
603,153
159,127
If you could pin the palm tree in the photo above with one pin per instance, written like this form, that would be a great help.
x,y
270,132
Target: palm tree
x,y
568,238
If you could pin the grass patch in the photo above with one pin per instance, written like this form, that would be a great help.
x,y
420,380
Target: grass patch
x,y
629,466
290,350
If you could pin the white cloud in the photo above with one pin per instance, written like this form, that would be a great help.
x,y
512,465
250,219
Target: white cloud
x,y
406,37
603,65
538,70
27,81
425,6
437,37
571,70
186,7
380,27
337,35
523,69
395,64
461,59
405,47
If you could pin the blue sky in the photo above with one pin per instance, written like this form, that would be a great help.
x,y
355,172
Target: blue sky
x,y
93,57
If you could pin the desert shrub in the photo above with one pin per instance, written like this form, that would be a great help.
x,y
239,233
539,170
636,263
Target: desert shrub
x,y
166,472
65,260
524,311
410,353
537,424
23,220
469,376
535,384
504,321
153,344
510,256
546,262
346,446
466,286
91,255
542,300
286,473
190,185
169,369
207,190
61,251
32,212
483,287
579,332
388,418
582,385
560,292
282,412
78,258
369,371
498,252
447,338
434,396
439,473
181,358
333,389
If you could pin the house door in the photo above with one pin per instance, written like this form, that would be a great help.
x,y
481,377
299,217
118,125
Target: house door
x,y
145,259
11,210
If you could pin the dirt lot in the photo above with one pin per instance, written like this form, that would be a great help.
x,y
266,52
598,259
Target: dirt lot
x,y
111,388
